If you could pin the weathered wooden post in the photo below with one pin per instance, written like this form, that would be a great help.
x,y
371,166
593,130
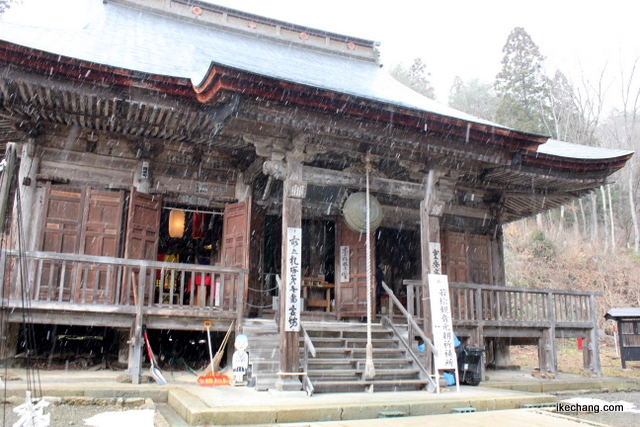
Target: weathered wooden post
x,y
547,342
294,191
9,331
135,350
429,232
591,350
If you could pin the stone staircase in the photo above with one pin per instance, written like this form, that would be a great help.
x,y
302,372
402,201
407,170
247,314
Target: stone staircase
x,y
339,363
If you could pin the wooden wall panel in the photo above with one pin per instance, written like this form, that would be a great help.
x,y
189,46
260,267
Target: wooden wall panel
x,y
351,298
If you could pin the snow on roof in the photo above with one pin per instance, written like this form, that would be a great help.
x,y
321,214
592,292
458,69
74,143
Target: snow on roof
x,y
616,313
557,148
124,37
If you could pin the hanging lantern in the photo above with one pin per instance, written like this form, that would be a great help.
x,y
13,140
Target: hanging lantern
x,y
176,223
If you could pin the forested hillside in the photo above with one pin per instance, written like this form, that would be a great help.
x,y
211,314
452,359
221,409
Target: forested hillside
x,y
553,257
594,242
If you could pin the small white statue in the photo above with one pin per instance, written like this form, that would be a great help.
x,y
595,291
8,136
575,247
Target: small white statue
x,y
240,360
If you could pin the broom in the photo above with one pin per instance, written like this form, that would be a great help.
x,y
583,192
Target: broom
x,y
212,377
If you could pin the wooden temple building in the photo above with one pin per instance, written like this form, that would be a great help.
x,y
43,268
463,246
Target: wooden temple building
x,y
171,154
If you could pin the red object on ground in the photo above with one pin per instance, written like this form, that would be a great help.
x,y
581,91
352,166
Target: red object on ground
x,y
579,343
213,379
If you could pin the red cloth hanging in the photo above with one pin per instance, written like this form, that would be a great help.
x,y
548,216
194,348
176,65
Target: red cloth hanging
x,y
199,225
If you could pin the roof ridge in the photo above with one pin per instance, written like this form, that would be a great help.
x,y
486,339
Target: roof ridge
x,y
252,25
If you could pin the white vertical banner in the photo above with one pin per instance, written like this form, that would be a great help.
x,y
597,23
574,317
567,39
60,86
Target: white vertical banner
x,y
442,323
435,259
292,267
345,266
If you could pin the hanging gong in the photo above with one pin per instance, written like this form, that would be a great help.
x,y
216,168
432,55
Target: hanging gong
x,y
354,212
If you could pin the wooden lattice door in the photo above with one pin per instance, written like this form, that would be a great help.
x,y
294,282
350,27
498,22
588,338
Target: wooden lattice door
x,y
235,247
351,300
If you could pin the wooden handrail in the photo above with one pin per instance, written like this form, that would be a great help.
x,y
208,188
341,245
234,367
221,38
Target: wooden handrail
x,y
308,348
386,321
127,262
409,318
510,288
68,278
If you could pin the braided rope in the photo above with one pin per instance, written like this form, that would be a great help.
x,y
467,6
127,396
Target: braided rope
x,y
369,371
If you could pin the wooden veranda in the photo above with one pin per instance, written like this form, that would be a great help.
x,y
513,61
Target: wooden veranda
x,y
525,315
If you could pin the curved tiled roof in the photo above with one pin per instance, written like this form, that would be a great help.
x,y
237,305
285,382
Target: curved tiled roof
x,y
124,37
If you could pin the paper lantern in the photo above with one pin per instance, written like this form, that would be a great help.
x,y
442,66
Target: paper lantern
x,y
176,223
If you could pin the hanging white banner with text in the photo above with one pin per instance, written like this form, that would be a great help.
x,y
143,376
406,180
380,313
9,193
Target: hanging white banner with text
x,y
293,274
345,268
442,323
435,260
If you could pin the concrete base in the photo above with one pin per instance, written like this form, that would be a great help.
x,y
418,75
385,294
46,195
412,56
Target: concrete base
x,y
199,405
288,384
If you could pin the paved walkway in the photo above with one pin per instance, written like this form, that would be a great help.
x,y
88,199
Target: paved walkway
x,y
507,418
243,406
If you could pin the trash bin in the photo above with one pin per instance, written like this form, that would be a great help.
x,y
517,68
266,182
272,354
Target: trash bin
x,y
469,364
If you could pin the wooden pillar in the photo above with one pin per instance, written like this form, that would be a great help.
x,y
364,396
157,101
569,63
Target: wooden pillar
x,y
8,331
497,257
547,342
502,355
501,352
590,348
9,341
29,167
291,217
429,232
6,179
136,339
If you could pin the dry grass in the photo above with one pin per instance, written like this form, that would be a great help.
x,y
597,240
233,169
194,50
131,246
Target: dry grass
x,y
576,264
570,359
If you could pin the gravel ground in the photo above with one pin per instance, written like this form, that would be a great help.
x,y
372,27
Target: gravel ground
x,y
62,415
618,419
68,414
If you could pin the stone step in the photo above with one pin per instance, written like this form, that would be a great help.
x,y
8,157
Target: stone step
x,y
380,334
330,363
408,373
368,385
352,342
327,352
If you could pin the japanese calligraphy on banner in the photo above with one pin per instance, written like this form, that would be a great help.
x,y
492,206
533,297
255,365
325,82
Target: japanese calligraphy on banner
x,y
292,267
344,264
435,261
441,321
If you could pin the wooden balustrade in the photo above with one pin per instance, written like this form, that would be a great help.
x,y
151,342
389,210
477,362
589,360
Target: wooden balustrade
x,y
98,281
471,303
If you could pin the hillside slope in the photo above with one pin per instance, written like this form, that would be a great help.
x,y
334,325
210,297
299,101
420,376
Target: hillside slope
x,y
555,259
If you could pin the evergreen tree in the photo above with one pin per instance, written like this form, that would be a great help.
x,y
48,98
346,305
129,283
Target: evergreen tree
x,y
415,77
5,4
475,98
522,86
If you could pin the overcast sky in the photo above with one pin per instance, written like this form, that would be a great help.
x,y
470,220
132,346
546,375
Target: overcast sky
x,y
462,37
465,37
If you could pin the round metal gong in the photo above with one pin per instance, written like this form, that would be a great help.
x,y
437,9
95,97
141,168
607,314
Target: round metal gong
x,y
354,212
